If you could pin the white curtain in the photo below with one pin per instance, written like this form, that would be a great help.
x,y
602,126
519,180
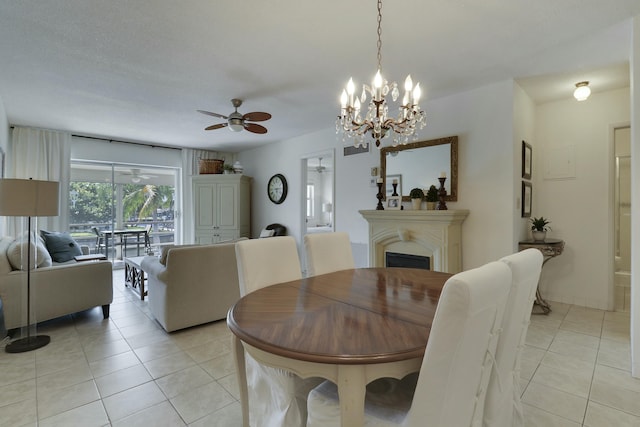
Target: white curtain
x,y
44,155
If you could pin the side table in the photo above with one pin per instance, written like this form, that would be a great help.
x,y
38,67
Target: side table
x,y
134,275
550,248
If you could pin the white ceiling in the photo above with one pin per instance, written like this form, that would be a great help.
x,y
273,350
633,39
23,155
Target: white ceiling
x,y
139,70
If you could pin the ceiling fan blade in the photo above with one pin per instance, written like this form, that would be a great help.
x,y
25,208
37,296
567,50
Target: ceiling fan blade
x,y
257,116
218,126
209,113
252,127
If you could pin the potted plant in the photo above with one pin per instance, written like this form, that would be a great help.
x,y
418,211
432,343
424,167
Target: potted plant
x,y
416,195
432,197
228,168
539,228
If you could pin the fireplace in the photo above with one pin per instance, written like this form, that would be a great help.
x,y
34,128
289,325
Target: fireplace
x,y
434,235
396,259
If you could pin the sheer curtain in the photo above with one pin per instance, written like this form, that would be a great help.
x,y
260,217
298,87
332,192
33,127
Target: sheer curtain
x,y
43,155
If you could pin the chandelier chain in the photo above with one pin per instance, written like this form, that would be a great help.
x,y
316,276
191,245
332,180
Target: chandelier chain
x,y
379,34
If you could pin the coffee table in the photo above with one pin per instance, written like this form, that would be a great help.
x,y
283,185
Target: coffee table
x,y
134,275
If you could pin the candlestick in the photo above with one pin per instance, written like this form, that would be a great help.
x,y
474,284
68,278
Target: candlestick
x,y
442,193
379,196
395,187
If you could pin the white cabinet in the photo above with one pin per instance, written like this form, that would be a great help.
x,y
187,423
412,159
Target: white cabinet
x,y
222,207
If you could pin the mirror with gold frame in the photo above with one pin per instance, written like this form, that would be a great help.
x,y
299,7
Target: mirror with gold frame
x,y
421,163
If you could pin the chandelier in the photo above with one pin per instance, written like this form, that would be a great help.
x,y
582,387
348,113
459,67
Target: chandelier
x,y
377,120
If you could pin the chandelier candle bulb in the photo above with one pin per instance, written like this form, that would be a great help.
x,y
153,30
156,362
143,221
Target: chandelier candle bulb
x,y
417,93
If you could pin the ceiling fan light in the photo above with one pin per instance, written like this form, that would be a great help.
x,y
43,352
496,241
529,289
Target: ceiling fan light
x,y
236,125
135,179
582,91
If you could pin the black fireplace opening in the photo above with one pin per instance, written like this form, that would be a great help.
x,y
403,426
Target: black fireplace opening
x,y
396,259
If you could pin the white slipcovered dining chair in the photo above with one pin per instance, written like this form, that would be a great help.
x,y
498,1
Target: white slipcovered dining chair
x,y
277,398
458,359
328,252
503,407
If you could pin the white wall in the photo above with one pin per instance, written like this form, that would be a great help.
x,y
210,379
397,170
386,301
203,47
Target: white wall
x,y
523,130
482,119
580,208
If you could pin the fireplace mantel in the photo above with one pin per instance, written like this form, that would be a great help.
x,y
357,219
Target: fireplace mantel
x,y
435,234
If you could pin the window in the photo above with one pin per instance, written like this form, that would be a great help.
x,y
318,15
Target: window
x,y
105,196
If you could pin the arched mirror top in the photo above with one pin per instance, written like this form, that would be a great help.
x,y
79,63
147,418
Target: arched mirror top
x,y
419,164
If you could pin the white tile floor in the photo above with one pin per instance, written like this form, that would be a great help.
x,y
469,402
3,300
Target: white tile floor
x,y
127,371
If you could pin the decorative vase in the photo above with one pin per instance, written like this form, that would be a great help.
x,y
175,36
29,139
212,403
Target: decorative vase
x,y
416,204
237,167
539,236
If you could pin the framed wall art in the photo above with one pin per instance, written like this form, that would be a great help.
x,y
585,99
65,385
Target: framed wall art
x,y
527,161
527,196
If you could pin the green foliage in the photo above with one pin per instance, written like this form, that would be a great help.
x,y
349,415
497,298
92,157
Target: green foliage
x,y
432,194
540,224
92,202
416,193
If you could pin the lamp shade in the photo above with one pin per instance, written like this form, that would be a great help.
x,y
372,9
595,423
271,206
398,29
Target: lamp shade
x,y
28,197
327,207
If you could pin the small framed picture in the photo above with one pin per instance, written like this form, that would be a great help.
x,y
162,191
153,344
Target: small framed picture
x,y
527,161
394,202
527,196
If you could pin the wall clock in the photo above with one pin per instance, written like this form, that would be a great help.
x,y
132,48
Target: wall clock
x,y
277,188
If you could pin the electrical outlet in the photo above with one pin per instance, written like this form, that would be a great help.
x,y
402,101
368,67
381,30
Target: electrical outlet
x,y
372,183
374,171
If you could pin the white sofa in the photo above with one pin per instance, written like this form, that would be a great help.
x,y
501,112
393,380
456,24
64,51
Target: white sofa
x,y
57,290
192,284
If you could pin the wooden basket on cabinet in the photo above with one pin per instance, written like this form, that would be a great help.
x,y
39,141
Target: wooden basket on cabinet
x,y
208,166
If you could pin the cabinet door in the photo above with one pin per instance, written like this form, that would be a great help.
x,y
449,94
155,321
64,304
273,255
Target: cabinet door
x,y
205,199
227,206
205,238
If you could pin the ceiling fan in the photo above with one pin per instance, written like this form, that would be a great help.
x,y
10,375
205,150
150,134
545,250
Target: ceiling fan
x,y
236,121
136,176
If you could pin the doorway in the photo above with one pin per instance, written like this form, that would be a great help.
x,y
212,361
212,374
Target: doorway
x,y
622,218
318,208
139,200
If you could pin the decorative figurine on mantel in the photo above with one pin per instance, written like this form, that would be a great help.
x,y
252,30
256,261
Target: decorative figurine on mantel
x,y
442,193
380,195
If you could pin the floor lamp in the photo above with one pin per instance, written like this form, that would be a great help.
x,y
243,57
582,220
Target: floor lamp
x,y
30,198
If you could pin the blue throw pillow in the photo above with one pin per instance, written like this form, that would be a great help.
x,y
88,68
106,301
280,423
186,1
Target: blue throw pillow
x,y
61,246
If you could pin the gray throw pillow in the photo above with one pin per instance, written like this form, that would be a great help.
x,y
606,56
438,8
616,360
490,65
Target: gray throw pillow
x,y
60,245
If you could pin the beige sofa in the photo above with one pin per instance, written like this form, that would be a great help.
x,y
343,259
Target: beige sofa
x,y
57,290
192,284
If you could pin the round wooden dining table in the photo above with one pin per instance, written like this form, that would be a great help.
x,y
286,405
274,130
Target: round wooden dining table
x,y
350,327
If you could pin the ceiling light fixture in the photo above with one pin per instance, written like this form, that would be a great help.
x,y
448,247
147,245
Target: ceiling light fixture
x,y
582,91
377,121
